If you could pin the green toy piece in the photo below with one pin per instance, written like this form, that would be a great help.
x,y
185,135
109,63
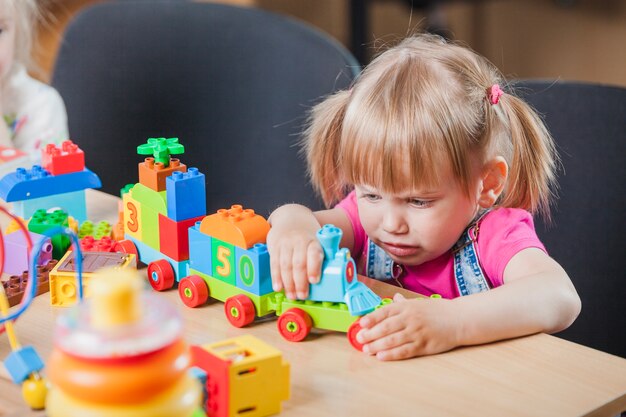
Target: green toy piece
x,y
161,149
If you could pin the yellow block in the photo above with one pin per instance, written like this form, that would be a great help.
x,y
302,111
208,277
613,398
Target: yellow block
x,y
63,282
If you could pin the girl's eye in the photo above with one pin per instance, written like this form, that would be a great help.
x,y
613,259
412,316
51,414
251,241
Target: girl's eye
x,y
371,197
420,203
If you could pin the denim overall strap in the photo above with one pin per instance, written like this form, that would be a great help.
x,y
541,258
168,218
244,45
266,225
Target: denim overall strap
x,y
469,275
379,265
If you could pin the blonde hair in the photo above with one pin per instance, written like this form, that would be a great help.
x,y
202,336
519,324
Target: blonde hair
x,y
423,104
26,16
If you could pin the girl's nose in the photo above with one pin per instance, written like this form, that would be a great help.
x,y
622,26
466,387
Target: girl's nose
x,y
394,222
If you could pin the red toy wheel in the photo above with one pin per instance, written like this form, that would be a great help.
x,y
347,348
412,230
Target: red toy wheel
x,y
161,275
126,246
239,310
295,324
193,291
352,332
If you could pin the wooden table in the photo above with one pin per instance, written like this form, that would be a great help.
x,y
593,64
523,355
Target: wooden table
x,y
539,375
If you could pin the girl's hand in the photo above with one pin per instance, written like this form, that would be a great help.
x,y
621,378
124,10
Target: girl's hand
x,y
295,261
408,328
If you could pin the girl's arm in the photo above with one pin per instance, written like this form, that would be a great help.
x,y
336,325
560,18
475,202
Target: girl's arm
x,y
295,253
538,296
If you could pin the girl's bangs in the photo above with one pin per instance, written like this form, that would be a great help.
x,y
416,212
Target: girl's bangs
x,y
391,151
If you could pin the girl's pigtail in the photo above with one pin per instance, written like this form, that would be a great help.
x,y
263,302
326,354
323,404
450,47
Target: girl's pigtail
x,y
532,171
321,144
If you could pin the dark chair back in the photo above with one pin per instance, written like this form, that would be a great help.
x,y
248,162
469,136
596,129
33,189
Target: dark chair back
x,y
233,84
587,234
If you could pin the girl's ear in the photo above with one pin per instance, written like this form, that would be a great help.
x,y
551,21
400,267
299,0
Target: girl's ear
x,y
494,175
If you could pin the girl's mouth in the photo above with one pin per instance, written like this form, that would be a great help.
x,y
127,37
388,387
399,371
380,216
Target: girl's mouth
x,y
398,250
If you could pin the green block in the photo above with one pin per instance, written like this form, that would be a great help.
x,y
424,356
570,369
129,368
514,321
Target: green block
x,y
103,229
223,257
222,291
150,227
325,315
85,229
43,221
147,197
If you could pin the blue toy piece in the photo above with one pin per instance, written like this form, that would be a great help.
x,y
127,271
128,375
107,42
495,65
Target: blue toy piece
x,y
200,250
339,283
23,362
34,183
186,195
148,255
253,269
36,188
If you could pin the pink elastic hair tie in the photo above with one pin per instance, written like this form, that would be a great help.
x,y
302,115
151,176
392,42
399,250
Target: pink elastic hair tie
x,y
495,92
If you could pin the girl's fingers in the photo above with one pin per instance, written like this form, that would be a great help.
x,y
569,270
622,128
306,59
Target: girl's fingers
x,y
315,257
286,274
375,317
277,283
299,270
390,340
405,351
382,329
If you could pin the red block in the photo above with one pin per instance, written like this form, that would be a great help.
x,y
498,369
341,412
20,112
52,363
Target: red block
x,y
217,384
68,158
89,244
174,237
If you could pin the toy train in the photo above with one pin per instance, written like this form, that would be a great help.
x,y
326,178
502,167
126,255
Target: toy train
x,y
224,256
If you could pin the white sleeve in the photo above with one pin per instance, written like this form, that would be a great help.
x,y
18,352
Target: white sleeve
x,y
44,120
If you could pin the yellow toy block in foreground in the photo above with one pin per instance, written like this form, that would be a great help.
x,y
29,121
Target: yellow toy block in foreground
x,y
255,373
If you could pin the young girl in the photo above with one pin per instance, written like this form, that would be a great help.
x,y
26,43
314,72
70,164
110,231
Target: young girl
x,y
33,112
443,170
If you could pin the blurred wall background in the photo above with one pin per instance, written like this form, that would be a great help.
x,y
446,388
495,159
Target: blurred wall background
x,y
580,40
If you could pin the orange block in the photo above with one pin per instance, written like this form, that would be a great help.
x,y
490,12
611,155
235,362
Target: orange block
x,y
237,226
153,175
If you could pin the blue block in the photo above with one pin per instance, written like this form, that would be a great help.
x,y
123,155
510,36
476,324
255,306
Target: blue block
x,y
186,194
73,203
333,285
148,254
200,375
26,184
200,250
23,362
253,269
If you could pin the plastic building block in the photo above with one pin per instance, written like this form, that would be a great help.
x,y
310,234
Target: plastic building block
x,y
201,376
253,269
15,285
161,149
87,228
174,237
73,203
63,160
89,244
200,250
23,362
117,233
236,226
152,204
63,283
243,373
26,184
148,255
43,221
16,256
224,267
152,174
132,217
13,226
186,194
121,354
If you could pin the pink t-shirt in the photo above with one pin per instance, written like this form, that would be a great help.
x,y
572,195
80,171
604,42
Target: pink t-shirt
x,y
503,233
